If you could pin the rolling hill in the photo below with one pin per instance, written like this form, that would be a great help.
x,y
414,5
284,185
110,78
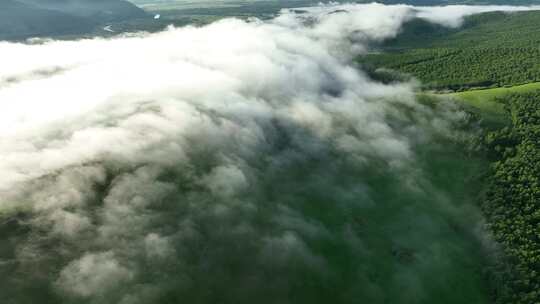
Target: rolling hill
x,y
21,19
97,10
490,50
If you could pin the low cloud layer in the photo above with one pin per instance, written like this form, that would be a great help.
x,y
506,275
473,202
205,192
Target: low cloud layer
x,y
243,161
453,16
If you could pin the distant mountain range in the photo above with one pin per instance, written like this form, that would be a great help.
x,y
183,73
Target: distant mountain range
x,y
20,19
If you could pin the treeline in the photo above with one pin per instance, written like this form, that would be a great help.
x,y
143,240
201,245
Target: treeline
x,y
490,50
463,69
512,202
487,30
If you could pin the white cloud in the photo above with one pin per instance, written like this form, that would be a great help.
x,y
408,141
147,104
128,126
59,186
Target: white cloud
x,y
454,15
94,274
157,246
225,181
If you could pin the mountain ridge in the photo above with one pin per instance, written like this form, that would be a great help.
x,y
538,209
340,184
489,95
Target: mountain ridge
x,y
23,19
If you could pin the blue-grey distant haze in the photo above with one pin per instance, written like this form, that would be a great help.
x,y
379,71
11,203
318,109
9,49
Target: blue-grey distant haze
x,y
21,19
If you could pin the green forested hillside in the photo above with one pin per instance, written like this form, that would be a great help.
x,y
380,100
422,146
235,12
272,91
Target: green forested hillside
x,y
459,69
22,19
19,19
512,203
97,10
489,50
487,30
494,54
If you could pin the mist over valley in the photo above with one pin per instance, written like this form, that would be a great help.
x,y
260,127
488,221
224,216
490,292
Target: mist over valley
x,y
267,153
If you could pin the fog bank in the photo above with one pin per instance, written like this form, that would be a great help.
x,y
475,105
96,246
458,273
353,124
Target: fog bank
x,y
240,162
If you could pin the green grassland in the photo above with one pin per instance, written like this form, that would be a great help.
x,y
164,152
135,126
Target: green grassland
x,y
487,101
483,99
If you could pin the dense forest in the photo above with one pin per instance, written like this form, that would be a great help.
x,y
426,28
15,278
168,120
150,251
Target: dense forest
x,y
489,50
458,69
512,200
